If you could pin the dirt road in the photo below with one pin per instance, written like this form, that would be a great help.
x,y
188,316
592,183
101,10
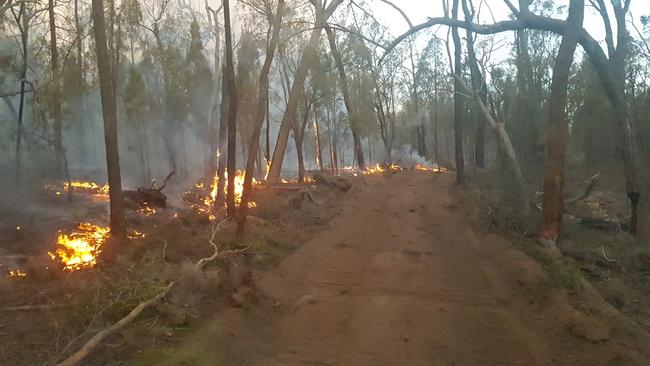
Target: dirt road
x,y
400,278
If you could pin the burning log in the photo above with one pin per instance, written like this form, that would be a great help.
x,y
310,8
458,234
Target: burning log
x,y
147,197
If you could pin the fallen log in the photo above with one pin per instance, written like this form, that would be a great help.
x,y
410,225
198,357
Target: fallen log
x,y
589,188
152,196
336,182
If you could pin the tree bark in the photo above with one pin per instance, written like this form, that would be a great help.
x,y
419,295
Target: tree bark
x,y
458,101
558,129
262,110
109,112
232,112
24,37
56,88
346,98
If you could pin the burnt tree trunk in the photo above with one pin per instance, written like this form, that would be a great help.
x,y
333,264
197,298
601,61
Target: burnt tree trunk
x,y
109,113
232,112
558,128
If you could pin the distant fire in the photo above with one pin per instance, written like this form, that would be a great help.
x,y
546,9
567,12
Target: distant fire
x,y
135,234
145,210
17,273
424,168
87,187
79,249
203,203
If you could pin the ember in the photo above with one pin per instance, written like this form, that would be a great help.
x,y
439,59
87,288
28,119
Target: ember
x,y
79,249
145,210
17,273
135,234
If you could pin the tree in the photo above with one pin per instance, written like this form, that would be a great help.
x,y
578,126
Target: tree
x,y
346,98
458,99
262,103
309,54
109,112
558,128
229,72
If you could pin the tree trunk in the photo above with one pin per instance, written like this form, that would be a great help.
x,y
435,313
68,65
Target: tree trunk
x,y
56,101
24,35
558,128
232,112
262,110
346,98
223,140
319,151
458,101
109,112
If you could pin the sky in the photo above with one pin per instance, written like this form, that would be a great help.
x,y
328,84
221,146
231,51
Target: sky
x,y
419,10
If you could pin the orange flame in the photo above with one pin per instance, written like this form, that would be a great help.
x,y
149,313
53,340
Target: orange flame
x,y
79,249
87,187
17,273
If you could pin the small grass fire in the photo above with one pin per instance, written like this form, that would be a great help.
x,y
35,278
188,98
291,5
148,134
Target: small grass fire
x,y
79,249
203,203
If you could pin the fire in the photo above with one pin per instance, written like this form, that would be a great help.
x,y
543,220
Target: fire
x,y
374,170
135,234
424,168
204,204
86,187
79,249
268,169
17,273
145,210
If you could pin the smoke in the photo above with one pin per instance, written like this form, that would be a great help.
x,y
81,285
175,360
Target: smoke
x,y
408,157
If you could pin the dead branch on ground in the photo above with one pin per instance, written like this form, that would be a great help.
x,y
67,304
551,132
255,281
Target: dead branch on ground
x,y
95,341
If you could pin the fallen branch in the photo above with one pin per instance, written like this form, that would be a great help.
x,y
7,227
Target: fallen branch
x,y
31,307
602,250
589,188
78,356
87,348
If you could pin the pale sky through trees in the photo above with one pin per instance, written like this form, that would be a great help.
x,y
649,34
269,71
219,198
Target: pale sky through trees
x,y
418,11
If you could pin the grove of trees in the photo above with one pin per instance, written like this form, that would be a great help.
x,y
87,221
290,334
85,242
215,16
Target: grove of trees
x,y
130,90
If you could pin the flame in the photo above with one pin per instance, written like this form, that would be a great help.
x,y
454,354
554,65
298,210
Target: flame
x,y
135,234
17,273
374,170
79,249
268,169
205,203
145,210
424,168
86,187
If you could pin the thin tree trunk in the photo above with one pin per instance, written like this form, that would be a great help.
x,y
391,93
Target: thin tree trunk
x,y
109,112
232,112
262,110
346,98
223,140
558,128
56,101
458,101
23,82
